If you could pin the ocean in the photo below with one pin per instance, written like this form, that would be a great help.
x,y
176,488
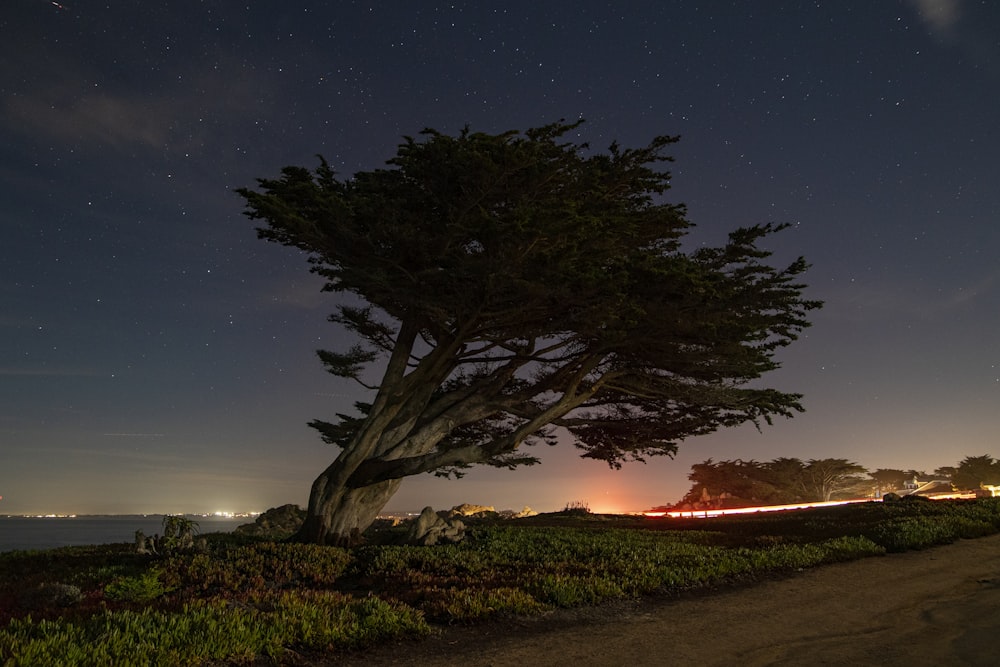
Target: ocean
x,y
23,533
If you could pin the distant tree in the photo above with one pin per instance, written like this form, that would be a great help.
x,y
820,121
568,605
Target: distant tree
x,y
747,482
945,472
888,479
972,471
738,479
707,478
826,478
785,475
507,284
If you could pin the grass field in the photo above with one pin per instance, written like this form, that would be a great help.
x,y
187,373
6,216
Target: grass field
x,y
241,600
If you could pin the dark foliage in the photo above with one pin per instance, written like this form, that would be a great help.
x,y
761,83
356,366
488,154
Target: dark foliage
x,y
516,283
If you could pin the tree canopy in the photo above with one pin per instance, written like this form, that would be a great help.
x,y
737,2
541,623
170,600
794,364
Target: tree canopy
x,y
889,479
974,471
508,285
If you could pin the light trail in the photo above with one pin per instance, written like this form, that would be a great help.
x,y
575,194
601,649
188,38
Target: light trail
x,y
708,514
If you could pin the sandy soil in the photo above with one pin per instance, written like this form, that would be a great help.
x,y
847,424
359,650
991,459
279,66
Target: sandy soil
x,y
934,607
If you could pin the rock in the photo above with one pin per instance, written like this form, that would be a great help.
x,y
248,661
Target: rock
x,y
485,512
144,546
890,497
429,528
178,535
465,509
511,514
277,522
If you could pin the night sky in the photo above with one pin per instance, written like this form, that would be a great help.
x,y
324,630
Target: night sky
x,y
156,357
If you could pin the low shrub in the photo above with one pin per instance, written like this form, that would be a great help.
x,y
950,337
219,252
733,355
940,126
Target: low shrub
x,y
575,591
143,588
577,507
466,605
209,631
908,533
256,566
54,595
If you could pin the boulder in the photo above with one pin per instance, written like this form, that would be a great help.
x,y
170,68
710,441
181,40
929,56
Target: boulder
x,y
277,522
429,528
466,509
511,514
144,545
178,535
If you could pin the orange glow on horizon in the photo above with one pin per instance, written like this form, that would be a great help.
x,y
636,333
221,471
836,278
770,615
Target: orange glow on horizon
x,y
606,509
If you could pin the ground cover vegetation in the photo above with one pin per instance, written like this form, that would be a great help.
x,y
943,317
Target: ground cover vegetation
x,y
242,599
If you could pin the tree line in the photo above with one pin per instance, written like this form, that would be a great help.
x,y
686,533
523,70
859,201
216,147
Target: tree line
x,y
781,481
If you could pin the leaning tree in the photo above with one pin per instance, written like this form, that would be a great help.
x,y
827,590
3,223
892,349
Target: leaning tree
x,y
508,288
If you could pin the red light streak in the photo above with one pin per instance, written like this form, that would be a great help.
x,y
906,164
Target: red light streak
x,y
707,514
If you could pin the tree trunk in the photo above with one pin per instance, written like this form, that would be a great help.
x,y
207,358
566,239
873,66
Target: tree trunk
x,y
337,515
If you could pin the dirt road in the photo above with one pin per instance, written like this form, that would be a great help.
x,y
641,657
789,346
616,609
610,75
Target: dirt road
x,y
934,607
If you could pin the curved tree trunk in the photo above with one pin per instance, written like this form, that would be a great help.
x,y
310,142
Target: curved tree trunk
x,y
338,515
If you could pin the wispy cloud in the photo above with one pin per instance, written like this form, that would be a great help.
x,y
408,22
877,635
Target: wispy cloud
x,y
96,117
894,299
15,321
942,16
186,112
302,291
49,372
965,26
